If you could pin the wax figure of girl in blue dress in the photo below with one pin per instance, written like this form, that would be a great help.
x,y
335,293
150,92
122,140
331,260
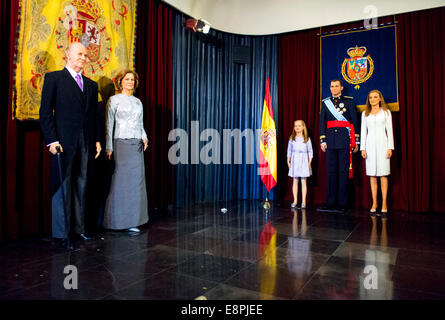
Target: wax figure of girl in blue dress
x,y
299,158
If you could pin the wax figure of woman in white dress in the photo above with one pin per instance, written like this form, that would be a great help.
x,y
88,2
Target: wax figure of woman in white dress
x,y
376,145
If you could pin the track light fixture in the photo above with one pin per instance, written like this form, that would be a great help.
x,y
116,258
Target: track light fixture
x,y
198,25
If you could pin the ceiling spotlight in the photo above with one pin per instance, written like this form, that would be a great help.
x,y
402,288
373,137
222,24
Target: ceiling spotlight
x,y
203,26
198,25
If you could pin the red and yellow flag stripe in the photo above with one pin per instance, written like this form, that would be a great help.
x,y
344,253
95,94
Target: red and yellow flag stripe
x,y
268,143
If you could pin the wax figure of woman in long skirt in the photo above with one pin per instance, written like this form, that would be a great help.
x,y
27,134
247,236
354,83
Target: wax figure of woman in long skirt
x,y
126,206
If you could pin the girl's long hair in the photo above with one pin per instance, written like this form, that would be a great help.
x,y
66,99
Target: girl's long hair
x,y
305,135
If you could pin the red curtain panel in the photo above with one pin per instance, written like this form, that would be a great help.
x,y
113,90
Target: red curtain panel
x,y
9,223
154,66
298,98
422,132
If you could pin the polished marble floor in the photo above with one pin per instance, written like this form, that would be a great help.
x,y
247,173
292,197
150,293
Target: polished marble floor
x,y
246,253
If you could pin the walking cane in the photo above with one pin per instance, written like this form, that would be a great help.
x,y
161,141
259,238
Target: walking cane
x,y
59,164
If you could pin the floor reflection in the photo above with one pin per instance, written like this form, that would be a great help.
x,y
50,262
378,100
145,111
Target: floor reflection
x,y
299,260
377,256
267,270
244,253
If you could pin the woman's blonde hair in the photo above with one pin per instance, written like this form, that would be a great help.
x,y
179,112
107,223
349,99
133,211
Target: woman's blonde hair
x,y
305,134
121,75
382,103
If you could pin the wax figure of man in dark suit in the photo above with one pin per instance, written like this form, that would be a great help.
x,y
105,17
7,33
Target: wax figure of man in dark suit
x,y
339,138
68,122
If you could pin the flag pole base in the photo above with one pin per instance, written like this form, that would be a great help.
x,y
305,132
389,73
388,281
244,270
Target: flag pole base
x,y
266,204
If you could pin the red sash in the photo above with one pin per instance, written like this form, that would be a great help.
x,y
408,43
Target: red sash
x,y
346,124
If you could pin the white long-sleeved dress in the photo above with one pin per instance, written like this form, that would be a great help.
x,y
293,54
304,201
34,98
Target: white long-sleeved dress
x,y
376,138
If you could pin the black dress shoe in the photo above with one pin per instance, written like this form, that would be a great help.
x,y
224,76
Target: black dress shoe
x,y
341,210
327,208
67,244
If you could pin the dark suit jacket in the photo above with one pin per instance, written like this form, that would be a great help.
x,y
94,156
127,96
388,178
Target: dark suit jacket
x,y
338,138
66,111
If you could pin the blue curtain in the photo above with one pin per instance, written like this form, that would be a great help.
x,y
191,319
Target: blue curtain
x,y
209,87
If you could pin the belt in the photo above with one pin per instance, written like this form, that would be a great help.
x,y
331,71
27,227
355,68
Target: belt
x,y
346,124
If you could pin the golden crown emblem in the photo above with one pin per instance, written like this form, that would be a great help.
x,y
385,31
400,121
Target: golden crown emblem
x,y
88,7
356,52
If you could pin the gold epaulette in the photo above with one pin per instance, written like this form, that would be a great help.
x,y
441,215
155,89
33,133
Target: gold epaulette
x,y
348,97
322,137
326,98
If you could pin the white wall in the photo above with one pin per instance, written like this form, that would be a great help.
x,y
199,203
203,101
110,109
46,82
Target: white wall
x,y
260,17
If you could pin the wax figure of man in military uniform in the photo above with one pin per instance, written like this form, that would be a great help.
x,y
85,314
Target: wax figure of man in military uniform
x,y
339,138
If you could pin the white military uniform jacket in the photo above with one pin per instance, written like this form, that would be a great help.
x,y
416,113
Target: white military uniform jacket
x,y
376,138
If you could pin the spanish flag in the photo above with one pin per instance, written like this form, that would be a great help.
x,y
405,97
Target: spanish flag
x,y
268,144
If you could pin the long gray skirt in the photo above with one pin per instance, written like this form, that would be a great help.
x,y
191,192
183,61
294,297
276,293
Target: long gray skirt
x,y
126,205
